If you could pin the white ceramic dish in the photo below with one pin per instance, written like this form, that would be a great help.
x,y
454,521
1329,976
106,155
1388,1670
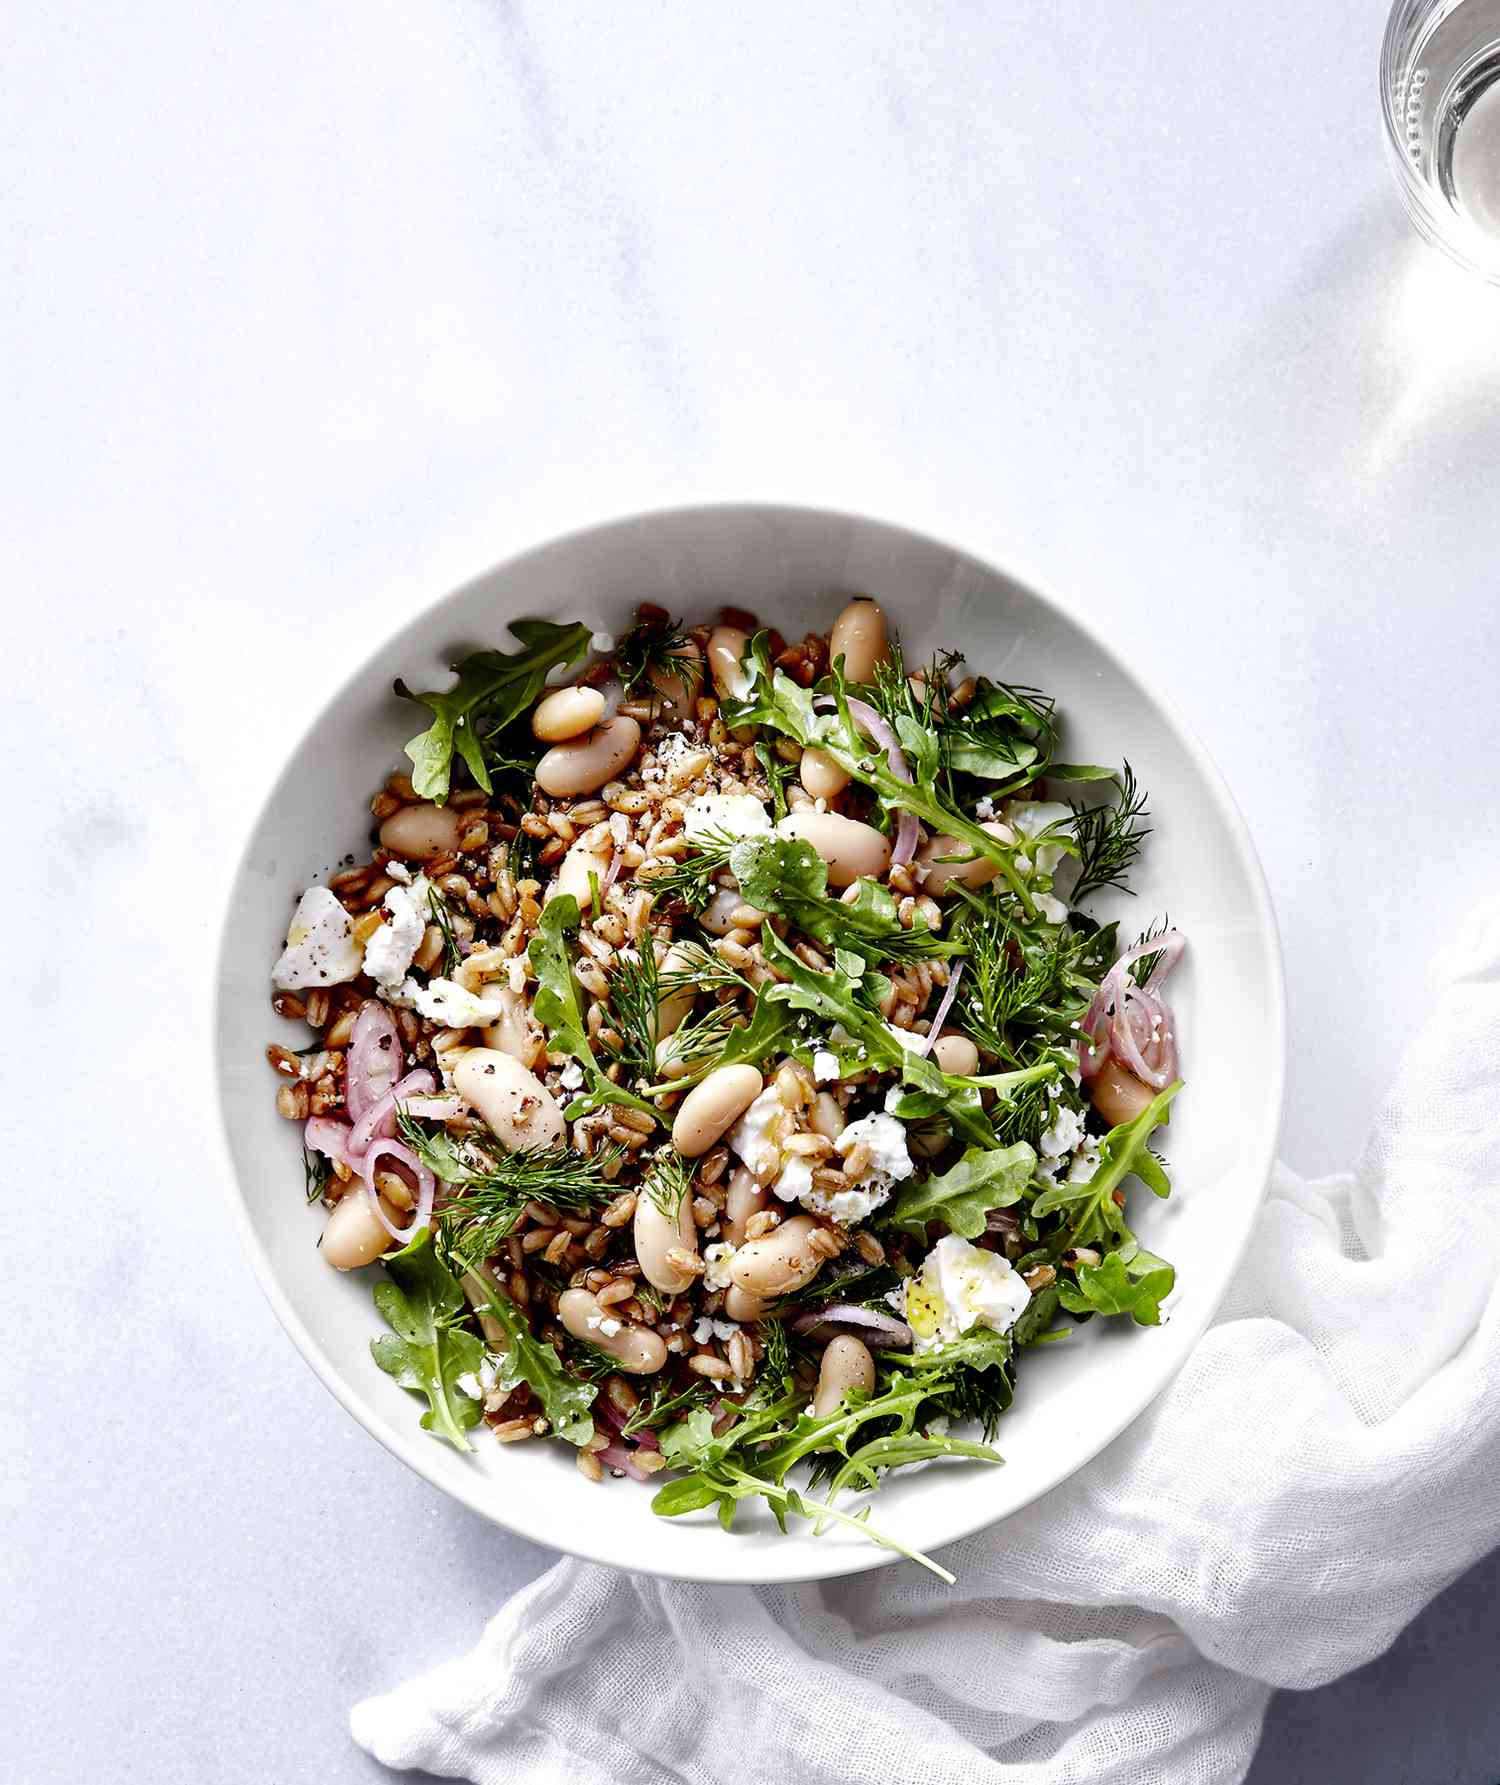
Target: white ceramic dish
x,y
787,565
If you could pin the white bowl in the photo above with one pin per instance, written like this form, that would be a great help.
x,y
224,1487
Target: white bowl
x,y
788,566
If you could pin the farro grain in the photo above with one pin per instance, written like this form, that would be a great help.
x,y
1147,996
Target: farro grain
x,y
618,1289
759,1225
288,1004
292,1102
350,881
706,1364
596,1244
588,1466
513,1431
649,1461
340,1032
869,1248
284,1060
741,1358
824,1243
683,1260
400,787
537,1239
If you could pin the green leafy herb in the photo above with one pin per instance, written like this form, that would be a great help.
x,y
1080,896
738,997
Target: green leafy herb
x,y
495,1184
635,996
778,773
649,1415
442,916
1024,979
556,1007
1129,1281
962,1196
425,1349
690,881
777,701
657,650
668,1181
974,1376
564,1400
316,1171
786,876
1092,1214
493,689
1109,839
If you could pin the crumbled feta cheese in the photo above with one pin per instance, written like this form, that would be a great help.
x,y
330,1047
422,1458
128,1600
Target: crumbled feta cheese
x,y
750,1137
885,1139
717,1258
1053,909
825,1066
960,1286
708,1328
445,1001
389,951
399,871
469,1384
1031,818
571,1078
1085,1161
907,1038
985,808
609,1326
515,972
320,946
795,1179
741,814
603,643
1064,1134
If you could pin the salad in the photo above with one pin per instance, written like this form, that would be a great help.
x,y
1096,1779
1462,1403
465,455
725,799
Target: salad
x,y
720,1058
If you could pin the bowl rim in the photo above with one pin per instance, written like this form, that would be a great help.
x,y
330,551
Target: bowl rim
x,y
808,1561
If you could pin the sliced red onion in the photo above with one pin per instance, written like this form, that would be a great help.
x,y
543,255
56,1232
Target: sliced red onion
x,y
864,1323
426,1186
1134,1022
375,1059
323,1135
611,875
618,1457
642,1440
943,1008
379,1120
874,726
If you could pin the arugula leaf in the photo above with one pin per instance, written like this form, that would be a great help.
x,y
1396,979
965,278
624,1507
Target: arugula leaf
x,y
1130,1281
493,689
556,1006
1093,1213
564,1400
775,700
786,876
962,1196
425,1350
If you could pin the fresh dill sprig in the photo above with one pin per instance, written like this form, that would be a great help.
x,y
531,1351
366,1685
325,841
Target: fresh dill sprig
x,y
588,1362
1142,969
1109,839
443,918
701,1038
635,996
493,1186
520,856
774,1377
668,1181
651,1414
1021,978
701,970
691,880
316,1171
656,646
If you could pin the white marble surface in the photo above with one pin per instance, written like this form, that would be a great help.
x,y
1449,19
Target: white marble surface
x,y
310,310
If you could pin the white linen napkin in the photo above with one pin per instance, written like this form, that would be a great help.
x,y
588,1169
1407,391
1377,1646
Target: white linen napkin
x,y
1326,1462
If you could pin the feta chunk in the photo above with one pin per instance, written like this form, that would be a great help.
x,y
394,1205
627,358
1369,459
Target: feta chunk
x,y
740,814
750,1137
717,1258
320,946
389,951
958,1287
825,1066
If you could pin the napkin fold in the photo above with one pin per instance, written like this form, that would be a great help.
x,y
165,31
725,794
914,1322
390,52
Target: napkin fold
x,y
1326,1462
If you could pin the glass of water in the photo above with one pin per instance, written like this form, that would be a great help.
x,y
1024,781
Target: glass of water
x,y
1440,92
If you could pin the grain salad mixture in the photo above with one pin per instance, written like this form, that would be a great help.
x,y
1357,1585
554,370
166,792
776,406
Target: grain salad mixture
x,y
718,1056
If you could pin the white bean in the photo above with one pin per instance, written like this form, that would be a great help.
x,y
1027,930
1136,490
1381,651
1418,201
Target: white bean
x,y
956,1054
582,861
726,647
977,872
515,1031
677,691
636,1349
740,1305
859,637
423,833
672,1012
583,765
352,1236
827,1118
657,1234
744,1198
821,775
518,1107
853,851
716,914
779,1263
846,1365
1118,1095
713,1107
566,713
